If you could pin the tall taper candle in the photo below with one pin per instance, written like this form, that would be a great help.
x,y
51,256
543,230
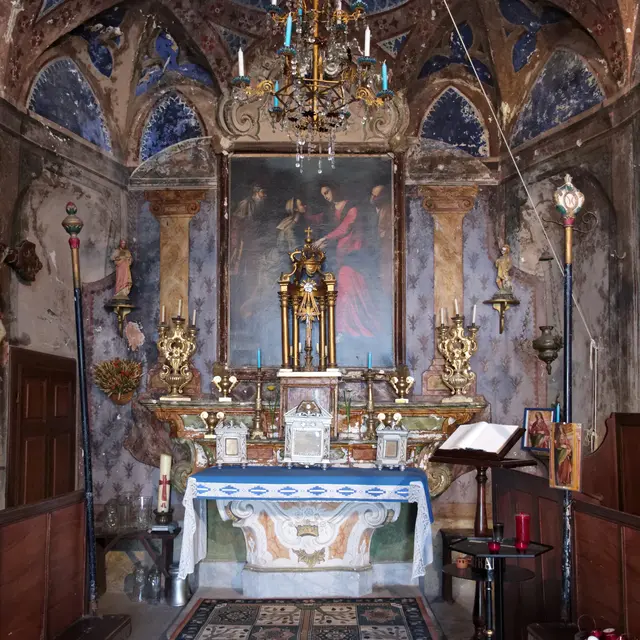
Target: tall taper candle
x,y
162,315
287,34
455,304
473,316
259,359
276,102
180,308
240,62
164,488
442,315
193,322
369,360
367,42
385,78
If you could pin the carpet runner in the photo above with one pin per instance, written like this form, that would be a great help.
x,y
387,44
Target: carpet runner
x,y
318,619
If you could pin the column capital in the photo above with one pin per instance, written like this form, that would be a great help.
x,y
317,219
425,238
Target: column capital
x,y
175,203
443,199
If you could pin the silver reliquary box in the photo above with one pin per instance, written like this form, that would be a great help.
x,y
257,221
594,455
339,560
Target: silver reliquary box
x,y
307,435
231,444
392,442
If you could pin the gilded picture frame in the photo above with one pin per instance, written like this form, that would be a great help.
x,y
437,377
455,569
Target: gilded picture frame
x,y
353,211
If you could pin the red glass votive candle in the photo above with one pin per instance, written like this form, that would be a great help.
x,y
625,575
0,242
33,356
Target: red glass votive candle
x,y
494,546
523,530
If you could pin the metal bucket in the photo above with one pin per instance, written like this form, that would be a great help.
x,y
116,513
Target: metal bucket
x,y
177,588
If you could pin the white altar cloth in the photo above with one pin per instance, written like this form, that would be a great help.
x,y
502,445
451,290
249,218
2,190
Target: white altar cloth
x,y
278,483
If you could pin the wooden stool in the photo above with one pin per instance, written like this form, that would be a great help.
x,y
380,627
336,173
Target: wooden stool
x,y
447,536
551,631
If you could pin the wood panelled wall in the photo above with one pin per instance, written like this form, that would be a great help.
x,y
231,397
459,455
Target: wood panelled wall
x,y
42,567
606,557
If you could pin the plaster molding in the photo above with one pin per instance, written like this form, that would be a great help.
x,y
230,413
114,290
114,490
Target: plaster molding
x,y
447,199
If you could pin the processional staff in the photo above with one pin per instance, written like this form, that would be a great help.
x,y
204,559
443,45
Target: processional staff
x,y
569,201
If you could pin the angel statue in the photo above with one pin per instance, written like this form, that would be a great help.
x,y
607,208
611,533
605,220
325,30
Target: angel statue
x,y
122,258
504,264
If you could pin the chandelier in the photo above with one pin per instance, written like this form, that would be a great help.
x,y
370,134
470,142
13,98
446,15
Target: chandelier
x,y
321,73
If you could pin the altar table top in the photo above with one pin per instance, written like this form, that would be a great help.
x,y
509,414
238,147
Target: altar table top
x,y
280,483
338,484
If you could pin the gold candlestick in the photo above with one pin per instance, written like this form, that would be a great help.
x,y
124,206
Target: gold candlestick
x,y
457,348
224,382
258,433
401,382
177,346
370,433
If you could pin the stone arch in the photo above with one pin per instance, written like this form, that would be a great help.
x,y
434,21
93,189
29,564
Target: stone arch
x,y
565,87
453,119
62,94
171,120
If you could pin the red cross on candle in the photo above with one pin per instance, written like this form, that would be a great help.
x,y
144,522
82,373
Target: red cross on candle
x,y
164,483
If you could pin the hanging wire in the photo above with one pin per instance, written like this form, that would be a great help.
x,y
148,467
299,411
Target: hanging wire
x,y
593,343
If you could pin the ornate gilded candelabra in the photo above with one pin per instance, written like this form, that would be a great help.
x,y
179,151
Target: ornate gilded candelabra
x,y
370,433
401,382
176,345
457,348
258,433
224,382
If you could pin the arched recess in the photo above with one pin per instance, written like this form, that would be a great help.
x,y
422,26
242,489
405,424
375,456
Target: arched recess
x,y
172,119
565,87
453,119
62,94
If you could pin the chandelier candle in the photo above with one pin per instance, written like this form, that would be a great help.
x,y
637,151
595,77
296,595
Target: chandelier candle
x,y
385,79
287,34
367,43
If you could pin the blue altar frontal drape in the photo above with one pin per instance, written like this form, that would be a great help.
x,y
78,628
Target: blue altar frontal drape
x,y
337,484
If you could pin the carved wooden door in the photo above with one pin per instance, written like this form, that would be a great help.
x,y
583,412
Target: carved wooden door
x,y
42,429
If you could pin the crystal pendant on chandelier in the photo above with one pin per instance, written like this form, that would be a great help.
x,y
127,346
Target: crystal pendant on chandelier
x,y
322,72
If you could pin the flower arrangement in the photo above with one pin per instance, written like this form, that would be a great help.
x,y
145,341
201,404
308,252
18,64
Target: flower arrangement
x,y
118,378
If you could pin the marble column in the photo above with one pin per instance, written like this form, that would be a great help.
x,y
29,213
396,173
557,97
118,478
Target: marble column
x,y
174,209
448,205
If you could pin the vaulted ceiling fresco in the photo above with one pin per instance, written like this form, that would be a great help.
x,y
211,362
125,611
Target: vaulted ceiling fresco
x,y
167,43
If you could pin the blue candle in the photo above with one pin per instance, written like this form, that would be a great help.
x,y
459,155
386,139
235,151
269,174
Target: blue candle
x,y
369,360
385,79
259,359
275,106
287,35
557,413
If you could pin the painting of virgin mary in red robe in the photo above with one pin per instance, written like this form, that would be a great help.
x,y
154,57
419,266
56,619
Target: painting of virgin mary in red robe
x,y
354,229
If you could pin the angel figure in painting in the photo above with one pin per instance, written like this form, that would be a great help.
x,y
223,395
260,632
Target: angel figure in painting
x,y
563,457
539,432
122,258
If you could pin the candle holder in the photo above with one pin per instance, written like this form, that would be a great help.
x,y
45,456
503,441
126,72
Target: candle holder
x,y
177,346
224,382
164,518
456,347
258,432
370,434
401,382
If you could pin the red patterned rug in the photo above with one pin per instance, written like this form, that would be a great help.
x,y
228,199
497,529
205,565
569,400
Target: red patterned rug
x,y
318,619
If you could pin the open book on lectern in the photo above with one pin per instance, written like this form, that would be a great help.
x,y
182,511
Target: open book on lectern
x,y
481,439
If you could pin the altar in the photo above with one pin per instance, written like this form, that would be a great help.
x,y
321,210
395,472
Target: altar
x,y
307,531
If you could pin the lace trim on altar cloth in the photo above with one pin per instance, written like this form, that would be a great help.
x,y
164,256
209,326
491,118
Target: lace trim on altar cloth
x,y
423,537
194,535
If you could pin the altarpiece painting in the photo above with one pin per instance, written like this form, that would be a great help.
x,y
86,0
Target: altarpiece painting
x,y
350,212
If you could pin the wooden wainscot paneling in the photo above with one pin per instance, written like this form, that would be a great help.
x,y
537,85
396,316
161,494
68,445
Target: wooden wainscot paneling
x,y
42,567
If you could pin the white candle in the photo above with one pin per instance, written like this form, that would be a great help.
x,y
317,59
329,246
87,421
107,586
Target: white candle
x,y
240,62
473,317
164,489
180,308
193,322
442,315
367,42
455,303
339,5
162,315
274,3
